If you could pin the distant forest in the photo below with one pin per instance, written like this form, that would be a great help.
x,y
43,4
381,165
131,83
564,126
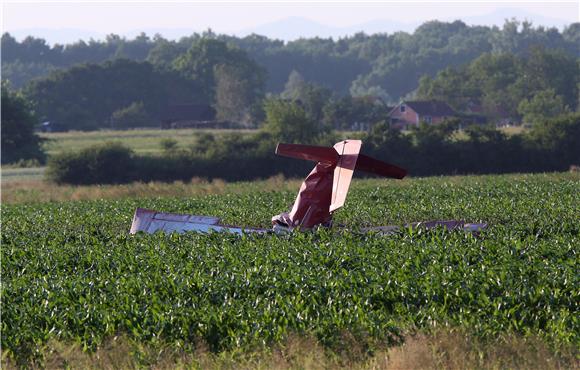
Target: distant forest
x,y
89,81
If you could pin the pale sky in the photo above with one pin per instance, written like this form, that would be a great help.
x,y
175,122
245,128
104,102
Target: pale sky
x,y
235,17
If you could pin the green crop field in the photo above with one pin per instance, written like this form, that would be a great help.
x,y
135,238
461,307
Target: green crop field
x,y
71,273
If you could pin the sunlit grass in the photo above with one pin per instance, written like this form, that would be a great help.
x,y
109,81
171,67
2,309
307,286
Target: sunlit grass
x,y
141,141
440,349
31,190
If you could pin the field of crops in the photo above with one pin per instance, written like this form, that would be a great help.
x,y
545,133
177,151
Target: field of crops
x,y
72,273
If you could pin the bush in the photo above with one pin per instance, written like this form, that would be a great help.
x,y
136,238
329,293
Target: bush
x,y
428,150
556,141
168,144
110,163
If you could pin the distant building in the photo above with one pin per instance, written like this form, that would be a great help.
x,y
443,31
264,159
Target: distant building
x,y
411,113
188,116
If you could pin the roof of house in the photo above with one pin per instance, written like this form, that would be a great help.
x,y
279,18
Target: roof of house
x,y
430,108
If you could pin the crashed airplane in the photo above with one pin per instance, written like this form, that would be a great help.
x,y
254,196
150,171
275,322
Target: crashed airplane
x,y
322,193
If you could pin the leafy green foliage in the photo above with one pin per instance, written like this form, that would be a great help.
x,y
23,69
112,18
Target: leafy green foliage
x,y
237,91
382,65
558,136
72,272
541,84
109,163
199,64
134,115
168,144
19,73
85,97
364,112
426,150
543,105
288,121
19,142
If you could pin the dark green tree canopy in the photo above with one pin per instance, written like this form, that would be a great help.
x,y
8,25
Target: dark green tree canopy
x,y
199,64
287,121
387,64
507,83
19,142
85,96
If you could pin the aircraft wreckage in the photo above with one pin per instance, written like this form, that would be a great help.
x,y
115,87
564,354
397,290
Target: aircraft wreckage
x,y
322,193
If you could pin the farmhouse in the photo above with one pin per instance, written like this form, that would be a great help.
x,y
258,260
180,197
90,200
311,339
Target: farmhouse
x,y
411,113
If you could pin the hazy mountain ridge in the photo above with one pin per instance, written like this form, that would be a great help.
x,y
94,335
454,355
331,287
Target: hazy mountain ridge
x,y
292,28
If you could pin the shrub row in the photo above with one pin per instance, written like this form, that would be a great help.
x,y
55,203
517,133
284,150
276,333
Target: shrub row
x,y
428,150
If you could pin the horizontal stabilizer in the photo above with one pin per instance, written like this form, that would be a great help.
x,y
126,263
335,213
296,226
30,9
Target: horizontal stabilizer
x,y
372,165
308,152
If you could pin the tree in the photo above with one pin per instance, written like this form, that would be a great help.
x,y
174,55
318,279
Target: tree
x,y
134,115
200,61
288,121
108,163
550,69
543,105
500,83
19,73
364,111
559,136
360,88
451,85
495,76
19,142
235,94
294,87
387,142
310,96
85,96
164,53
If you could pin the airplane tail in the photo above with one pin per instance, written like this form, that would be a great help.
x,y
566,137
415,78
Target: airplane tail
x,y
332,156
346,158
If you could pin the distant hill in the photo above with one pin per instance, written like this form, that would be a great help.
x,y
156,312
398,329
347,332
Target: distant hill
x,y
292,28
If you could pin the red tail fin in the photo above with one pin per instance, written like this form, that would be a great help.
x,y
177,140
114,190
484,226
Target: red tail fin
x,y
308,152
372,165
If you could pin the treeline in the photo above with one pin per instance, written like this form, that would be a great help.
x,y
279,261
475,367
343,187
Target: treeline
x,y
121,93
301,91
89,96
530,87
387,64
